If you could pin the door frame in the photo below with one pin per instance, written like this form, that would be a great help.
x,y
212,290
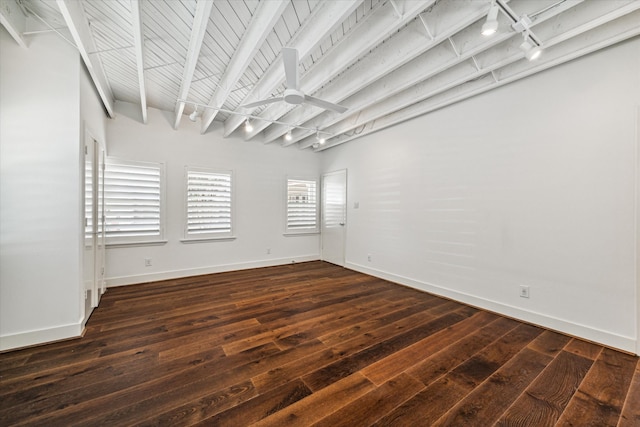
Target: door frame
x,y
94,152
637,248
322,214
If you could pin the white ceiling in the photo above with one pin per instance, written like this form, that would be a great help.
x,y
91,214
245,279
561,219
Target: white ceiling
x,y
386,60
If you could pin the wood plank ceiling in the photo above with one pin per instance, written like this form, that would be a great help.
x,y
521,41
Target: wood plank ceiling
x,y
386,60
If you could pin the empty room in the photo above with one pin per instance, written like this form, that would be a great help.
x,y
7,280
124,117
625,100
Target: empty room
x,y
320,212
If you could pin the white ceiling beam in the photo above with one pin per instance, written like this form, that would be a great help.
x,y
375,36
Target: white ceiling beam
x,y
557,51
198,31
14,20
324,21
405,85
396,8
587,16
375,28
265,17
457,75
578,20
571,40
395,52
139,52
78,25
436,60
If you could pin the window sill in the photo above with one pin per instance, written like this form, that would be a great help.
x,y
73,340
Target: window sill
x,y
299,233
136,243
207,239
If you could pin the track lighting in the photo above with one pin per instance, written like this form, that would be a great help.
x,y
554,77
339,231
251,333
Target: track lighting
x,y
491,24
530,46
288,136
194,116
319,138
531,51
247,117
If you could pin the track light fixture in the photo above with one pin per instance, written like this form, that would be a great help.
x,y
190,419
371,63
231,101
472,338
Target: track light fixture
x,y
491,24
247,117
319,138
530,46
194,116
531,51
288,136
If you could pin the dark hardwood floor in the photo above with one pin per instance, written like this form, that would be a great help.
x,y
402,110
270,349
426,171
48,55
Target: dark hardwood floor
x,y
311,344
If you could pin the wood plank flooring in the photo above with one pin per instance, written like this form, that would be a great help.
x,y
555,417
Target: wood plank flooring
x,y
311,344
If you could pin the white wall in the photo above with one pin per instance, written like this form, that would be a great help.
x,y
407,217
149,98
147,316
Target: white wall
x,y
92,112
259,173
40,222
532,184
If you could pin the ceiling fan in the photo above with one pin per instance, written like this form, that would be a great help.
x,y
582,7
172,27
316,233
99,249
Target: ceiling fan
x,y
292,94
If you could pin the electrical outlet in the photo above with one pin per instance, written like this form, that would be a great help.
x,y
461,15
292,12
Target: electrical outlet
x,y
147,262
524,291
369,257
268,251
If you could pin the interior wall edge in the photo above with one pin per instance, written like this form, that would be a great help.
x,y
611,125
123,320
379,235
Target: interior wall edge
x,y
606,338
637,214
40,205
176,274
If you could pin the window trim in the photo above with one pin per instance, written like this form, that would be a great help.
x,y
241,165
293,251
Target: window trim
x,y
115,242
207,237
306,231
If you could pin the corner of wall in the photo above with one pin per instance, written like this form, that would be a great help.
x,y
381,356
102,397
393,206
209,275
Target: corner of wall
x,y
610,339
168,275
41,336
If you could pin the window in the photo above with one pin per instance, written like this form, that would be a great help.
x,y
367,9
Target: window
x,y
134,199
209,204
302,206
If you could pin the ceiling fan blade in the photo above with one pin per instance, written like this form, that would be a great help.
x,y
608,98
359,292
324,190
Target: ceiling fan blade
x,y
263,102
290,60
325,104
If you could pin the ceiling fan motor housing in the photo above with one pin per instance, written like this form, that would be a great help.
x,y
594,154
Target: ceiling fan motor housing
x,y
293,96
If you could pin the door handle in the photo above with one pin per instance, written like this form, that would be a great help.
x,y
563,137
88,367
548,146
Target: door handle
x,y
342,224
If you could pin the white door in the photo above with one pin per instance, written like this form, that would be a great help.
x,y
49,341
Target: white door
x,y
94,243
334,216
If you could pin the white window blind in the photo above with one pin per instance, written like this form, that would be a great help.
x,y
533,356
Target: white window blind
x,y
133,200
209,204
302,205
88,202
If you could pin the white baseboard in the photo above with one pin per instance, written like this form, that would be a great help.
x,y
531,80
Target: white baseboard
x,y
607,338
30,338
175,274
40,336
